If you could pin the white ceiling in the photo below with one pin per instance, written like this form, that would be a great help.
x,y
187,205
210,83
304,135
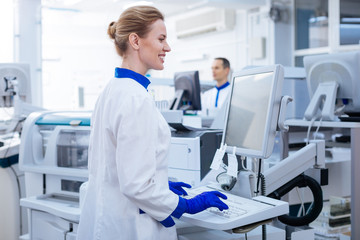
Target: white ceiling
x,y
168,7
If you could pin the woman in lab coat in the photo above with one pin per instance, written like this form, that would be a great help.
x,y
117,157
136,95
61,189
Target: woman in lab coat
x,y
128,195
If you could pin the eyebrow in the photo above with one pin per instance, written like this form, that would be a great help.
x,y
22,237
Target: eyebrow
x,y
163,35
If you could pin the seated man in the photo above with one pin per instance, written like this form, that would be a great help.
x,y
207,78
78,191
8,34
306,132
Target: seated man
x,y
213,99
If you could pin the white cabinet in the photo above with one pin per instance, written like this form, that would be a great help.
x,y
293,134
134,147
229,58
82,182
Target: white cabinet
x,y
47,226
72,235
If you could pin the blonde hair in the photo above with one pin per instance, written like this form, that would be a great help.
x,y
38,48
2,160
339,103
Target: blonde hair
x,y
133,20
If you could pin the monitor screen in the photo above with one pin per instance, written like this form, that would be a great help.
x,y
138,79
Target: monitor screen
x,y
253,111
187,91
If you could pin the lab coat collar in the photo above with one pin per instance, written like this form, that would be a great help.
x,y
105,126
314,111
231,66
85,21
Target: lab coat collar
x,y
222,86
127,73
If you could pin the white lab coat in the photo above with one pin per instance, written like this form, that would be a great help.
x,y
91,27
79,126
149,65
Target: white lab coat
x,y
208,100
128,152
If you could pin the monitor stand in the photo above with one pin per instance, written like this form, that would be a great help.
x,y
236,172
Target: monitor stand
x,y
325,96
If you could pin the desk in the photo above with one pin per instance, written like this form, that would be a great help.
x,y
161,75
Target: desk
x,y
355,164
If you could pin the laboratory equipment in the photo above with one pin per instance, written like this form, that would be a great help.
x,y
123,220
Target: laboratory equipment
x,y
241,212
9,72
254,105
12,217
331,77
15,105
191,153
15,95
294,85
180,121
187,91
251,120
255,138
334,218
53,157
256,99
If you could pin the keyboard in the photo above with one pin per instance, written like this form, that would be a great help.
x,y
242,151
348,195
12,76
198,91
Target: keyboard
x,y
241,212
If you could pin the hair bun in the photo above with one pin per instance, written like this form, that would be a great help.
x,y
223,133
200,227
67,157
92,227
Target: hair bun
x,y
112,30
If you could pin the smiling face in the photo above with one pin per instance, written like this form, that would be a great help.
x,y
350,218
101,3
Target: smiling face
x,y
153,48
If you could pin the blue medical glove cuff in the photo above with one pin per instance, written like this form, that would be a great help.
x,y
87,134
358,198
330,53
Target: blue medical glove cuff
x,y
168,222
180,209
178,212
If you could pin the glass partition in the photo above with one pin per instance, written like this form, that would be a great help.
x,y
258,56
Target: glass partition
x,y
311,24
349,22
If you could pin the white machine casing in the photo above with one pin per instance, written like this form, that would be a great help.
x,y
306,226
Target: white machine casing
x,y
12,186
191,154
184,164
54,158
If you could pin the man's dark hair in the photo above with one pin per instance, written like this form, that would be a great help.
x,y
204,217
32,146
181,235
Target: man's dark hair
x,y
226,63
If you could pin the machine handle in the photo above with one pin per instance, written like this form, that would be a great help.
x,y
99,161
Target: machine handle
x,y
281,120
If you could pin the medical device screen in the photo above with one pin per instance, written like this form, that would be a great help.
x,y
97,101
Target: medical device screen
x,y
187,91
248,111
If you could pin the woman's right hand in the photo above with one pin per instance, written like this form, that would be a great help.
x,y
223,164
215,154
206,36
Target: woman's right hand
x,y
206,200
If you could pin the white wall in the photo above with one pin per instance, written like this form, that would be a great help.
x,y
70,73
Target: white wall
x,y
7,31
77,53
204,48
198,52
28,43
236,44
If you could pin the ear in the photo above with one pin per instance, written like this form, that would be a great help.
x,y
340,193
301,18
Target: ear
x,y
227,71
134,41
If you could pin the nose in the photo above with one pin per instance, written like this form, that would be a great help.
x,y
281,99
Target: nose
x,y
167,47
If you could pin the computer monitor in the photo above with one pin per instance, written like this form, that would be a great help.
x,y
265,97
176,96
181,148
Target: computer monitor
x,y
9,74
252,113
331,77
187,91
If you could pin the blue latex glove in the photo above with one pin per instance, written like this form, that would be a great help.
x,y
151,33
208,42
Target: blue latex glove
x,y
205,200
177,187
